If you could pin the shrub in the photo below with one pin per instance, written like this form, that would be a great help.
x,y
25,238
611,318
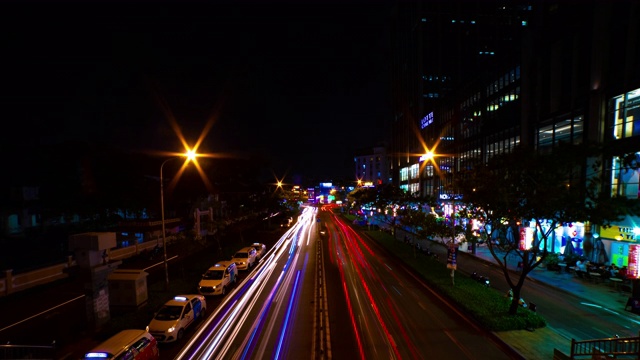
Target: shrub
x,y
552,260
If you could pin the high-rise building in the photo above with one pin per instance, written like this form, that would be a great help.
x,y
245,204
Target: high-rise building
x,y
475,79
456,75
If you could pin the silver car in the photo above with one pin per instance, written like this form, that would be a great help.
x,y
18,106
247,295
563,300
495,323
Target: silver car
x,y
245,258
261,249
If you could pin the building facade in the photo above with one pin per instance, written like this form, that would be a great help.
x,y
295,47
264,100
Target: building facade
x,y
538,75
372,166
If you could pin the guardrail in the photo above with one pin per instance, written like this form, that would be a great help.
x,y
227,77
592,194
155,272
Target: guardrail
x,y
12,283
619,348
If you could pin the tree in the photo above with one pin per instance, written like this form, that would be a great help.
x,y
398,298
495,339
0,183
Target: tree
x,y
548,189
416,219
362,196
391,198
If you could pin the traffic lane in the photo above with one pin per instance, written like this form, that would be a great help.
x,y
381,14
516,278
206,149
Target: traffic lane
x,y
569,314
572,316
575,318
257,322
343,340
214,302
409,316
222,334
304,333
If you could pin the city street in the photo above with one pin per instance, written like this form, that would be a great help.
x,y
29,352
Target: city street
x,y
574,308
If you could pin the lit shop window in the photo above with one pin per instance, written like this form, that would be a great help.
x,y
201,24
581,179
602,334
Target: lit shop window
x,y
624,115
625,177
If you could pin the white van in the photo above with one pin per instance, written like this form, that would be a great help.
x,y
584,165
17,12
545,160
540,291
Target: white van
x,y
175,316
127,344
261,249
218,278
245,258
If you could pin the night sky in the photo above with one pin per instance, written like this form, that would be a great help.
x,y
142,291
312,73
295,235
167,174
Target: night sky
x,y
302,86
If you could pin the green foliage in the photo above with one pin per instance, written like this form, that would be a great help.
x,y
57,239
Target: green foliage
x,y
488,306
552,188
349,217
552,259
385,197
571,259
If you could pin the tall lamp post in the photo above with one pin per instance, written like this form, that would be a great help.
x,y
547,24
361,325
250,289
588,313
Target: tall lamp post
x,y
452,252
190,156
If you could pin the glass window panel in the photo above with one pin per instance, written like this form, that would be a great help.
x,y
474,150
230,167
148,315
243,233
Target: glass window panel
x,y
625,115
578,128
617,118
562,131
545,138
632,117
626,178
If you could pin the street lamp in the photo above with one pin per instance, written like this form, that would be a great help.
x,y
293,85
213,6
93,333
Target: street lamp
x,y
429,156
190,155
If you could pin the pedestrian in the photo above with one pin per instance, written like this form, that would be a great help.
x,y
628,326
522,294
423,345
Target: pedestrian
x,y
622,272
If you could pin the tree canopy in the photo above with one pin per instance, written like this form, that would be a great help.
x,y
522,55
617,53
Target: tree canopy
x,y
550,189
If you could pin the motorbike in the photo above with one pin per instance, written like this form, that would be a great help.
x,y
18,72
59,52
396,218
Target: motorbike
x,y
484,280
521,302
427,251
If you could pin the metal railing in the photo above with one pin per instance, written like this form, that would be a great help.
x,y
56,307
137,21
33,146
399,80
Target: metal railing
x,y
618,348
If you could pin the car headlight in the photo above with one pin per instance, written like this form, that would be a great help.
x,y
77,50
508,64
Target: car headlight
x,y
214,287
171,329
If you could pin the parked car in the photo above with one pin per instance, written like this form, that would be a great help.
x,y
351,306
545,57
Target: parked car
x,y
261,249
127,344
175,316
245,258
218,278
286,222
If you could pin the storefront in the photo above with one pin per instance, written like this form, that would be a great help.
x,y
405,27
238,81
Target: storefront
x,y
563,239
617,239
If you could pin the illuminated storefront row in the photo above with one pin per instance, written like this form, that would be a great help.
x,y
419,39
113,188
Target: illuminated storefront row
x,y
616,245
563,236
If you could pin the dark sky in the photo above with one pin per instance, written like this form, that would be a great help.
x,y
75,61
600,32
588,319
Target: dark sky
x,y
302,85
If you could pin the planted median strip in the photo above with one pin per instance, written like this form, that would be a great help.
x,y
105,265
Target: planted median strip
x,y
488,306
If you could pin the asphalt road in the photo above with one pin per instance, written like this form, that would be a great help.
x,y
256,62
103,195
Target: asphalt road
x,y
373,303
392,313
271,314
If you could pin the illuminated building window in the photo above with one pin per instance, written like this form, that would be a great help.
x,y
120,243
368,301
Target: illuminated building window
x,y
624,115
625,178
